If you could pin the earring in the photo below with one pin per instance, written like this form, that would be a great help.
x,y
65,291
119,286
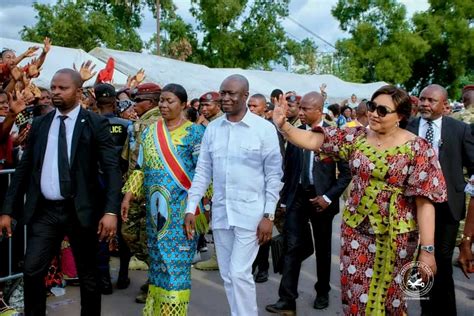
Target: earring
x,y
397,124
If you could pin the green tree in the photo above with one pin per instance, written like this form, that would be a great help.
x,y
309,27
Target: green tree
x,y
382,45
241,33
304,56
86,24
447,27
179,40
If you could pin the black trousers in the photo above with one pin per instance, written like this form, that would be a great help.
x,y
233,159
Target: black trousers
x,y
52,221
297,217
261,261
442,300
103,256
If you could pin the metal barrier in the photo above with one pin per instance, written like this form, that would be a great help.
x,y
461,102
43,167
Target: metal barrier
x,y
10,275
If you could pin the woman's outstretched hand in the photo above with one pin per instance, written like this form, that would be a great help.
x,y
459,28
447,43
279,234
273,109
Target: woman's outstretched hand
x,y
279,113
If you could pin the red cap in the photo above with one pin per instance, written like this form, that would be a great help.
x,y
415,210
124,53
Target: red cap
x,y
147,88
209,96
414,100
467,88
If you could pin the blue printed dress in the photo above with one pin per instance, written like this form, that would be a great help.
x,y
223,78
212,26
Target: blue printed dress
x,y
171,253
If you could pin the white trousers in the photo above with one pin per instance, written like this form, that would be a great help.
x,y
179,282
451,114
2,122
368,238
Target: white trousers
x,y
236,250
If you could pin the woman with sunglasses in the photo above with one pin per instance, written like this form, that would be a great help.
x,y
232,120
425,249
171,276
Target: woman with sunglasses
x,y
396,178
167,159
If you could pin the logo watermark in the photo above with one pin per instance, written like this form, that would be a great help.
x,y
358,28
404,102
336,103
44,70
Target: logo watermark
x,y
416,280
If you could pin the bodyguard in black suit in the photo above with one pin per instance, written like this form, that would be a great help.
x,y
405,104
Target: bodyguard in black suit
x,y
59,172
454,144
311,193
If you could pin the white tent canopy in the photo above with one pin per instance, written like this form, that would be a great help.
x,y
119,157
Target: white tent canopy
x,y
197,79
59,57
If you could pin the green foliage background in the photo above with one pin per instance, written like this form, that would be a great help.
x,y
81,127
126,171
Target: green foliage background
x,y
435,46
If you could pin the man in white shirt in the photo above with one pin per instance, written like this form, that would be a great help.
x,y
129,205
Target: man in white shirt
x,y
353,103
240,153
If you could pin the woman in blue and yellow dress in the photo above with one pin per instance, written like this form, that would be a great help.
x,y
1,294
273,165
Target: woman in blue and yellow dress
x,y
168,155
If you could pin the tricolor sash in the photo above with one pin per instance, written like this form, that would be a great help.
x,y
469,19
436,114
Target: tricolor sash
x,y
171,159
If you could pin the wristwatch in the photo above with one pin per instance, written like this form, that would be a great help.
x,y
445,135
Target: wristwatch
x,y
270,217
465,238
428,248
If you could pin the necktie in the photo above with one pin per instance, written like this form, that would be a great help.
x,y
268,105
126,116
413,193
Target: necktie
x,y
430,133
305,182
65,183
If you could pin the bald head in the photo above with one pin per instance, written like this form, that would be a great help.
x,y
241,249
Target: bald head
x,y
74,75
311,108
438,89
314,99
433,102
240,80
234,92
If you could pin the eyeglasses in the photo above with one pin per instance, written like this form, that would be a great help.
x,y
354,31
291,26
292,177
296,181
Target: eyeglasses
x,y
382,110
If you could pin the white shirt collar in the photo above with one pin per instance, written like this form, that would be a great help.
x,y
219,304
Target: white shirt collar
x,y
248,119
319,124
436,123
71,115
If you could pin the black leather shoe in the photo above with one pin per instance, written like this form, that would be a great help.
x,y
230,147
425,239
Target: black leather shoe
x,y
282,308
261,277
321,302
123,283
144,287
105,285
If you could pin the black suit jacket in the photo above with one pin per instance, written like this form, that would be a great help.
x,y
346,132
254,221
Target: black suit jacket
x,y
91,146
326,181
455,152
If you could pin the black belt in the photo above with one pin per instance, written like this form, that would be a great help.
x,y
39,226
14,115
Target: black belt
x,y
309,189
56,203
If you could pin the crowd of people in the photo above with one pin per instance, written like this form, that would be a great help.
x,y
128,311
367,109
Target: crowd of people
x,y
144,172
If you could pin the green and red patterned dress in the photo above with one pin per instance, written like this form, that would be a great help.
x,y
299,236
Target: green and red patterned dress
x,y
379,232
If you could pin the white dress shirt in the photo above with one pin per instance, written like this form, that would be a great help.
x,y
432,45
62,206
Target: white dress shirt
x,y
244,162
437,142
311,163
50,171
311,156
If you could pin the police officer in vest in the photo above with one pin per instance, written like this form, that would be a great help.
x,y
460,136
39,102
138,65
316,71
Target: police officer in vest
x,y
106,103
146,97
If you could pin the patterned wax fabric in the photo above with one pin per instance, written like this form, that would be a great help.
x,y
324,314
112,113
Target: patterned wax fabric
x,y
134,230
171,254
379,233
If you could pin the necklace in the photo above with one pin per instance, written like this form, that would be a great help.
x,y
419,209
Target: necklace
x,y
379,143
171,127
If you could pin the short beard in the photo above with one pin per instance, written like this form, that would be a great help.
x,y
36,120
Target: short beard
x,y
425,115
58,105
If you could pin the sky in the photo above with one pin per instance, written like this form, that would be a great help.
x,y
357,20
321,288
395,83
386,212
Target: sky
x,y
312,14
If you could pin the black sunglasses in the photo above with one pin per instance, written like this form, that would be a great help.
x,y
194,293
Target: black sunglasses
x,y
291,98
382,110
